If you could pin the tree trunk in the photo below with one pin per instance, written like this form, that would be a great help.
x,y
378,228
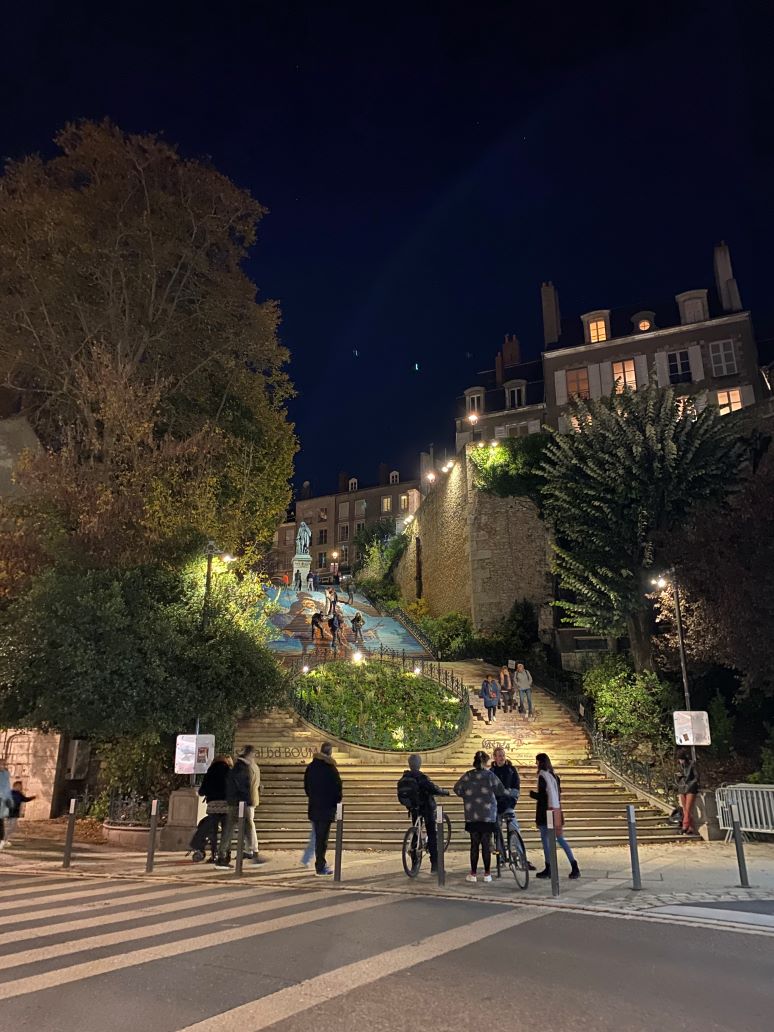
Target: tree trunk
x,y
640,640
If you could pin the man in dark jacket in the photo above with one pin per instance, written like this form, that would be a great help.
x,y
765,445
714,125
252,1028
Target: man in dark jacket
x,y
322,785
214,789
509,776
422,801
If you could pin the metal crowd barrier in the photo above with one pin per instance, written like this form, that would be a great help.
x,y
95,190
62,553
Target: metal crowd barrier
x,y
755,805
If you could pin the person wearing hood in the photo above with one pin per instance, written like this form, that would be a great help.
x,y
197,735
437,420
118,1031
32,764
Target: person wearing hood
x,y
213,789
322,785
417,793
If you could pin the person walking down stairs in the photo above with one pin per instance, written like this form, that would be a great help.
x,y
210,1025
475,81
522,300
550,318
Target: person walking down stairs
x,y
490,693
548,796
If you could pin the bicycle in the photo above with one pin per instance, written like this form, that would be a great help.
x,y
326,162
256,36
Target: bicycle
x,y
415,844
510,851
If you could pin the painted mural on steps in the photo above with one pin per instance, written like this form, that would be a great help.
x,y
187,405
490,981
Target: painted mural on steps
x,y
292,617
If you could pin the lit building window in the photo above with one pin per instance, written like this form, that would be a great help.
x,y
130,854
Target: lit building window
x,y
679,367
322,537
474,402
345,553
515,397
360,507
353,483
723,357
386,503
322,558
343,532
643,325
404,503
597,330
624,376
578,383
729,401
395,477
322,514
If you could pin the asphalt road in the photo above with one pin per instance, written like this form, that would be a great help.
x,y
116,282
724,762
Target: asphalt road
x,y
89,955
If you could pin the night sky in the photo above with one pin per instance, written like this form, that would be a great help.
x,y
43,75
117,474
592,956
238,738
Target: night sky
x,y
425,171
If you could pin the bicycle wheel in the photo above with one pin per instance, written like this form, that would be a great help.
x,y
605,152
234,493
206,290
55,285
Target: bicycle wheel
x,y
447,831
412,852
499,849
517,859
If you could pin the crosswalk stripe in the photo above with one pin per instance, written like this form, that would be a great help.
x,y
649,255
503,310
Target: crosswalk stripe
x,y
33,885
119,961
312,992
87,889
102,915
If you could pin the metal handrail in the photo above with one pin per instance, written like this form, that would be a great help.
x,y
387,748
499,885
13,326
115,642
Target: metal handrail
x,y
413,628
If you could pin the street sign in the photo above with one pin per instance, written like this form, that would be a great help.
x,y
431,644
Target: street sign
x,y
691,727
194,753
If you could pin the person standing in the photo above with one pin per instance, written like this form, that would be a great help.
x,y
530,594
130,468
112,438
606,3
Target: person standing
x,y
417,793
243,787
549,796
214,790
310,581
6,801
357,626
509,776
18,798
317,625
687,784
322,785
350,592
333,626
479,789
490,693
506,689
297,580
523,680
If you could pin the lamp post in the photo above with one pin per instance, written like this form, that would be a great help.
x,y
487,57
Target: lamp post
x,y
662,582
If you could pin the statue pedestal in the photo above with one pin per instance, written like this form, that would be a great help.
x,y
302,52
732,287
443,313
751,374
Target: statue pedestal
x,y
302,563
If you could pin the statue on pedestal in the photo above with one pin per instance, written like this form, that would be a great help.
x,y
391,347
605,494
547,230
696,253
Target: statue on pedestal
x,y
303,539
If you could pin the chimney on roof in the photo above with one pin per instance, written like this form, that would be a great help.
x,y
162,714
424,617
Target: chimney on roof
x,y
343,482
728,291
306,490
499,367
384,474
551,319
511,350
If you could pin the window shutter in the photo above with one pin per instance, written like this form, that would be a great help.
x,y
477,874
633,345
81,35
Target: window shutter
x,y
662,368
560,387
697,366
641,370
748,394
500,431
533,426
606,378
595,386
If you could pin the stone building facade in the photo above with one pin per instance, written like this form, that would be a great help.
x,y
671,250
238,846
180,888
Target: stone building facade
x,y
473,553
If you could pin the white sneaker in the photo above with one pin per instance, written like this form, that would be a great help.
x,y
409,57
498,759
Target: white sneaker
x,y
471,877
7,843
487,877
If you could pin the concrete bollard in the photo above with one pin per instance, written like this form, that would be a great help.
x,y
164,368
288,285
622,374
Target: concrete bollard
x,y
339,841
70,834
154,820
240,850
440,840
631,820
744,881
553,859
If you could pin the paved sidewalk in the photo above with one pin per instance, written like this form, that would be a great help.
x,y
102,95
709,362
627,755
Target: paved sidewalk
x,y
672,874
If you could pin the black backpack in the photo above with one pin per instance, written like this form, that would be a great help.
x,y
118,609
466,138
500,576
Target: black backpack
x,y
408,792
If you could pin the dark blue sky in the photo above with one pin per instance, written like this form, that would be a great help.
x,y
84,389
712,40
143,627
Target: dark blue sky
x,y
425,171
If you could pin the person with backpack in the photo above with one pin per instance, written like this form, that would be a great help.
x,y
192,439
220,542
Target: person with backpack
x,y
417,793
490,693
479,789
213,789
549,797
322,785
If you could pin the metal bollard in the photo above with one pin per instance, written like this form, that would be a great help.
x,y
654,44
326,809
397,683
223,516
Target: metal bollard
x,y
631,820
441,845
553,859
240,841
68,846
739,843
154,820
339,841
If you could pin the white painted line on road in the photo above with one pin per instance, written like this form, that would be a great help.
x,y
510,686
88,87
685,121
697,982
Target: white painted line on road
x,y
119,961
50,895
312,992
103,915
721,915
41,886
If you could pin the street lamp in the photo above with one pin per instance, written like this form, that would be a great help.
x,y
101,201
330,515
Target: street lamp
x,y
472,418
662,582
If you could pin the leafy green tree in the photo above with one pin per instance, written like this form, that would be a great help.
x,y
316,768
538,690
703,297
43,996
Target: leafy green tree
x,y
378,533
630,706
511,466
133,338
637,465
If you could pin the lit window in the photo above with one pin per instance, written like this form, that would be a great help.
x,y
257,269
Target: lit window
x,y
343,532
597,330
386,503
723,356
624,376
395,477
578,383
685,405
679,367
353,484
515,397
575,423
322,558
322,537
360,507
345,553
644,325
322,514
729,401
474,402
404,503
343,510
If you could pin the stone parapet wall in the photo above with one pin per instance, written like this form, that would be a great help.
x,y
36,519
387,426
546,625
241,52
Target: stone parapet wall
x,y
33,758
480,553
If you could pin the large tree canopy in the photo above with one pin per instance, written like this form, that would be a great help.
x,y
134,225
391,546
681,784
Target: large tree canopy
x,y
638,465
133,338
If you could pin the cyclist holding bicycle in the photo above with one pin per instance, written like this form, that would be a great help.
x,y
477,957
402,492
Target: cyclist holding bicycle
x,y
417,793
506,804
